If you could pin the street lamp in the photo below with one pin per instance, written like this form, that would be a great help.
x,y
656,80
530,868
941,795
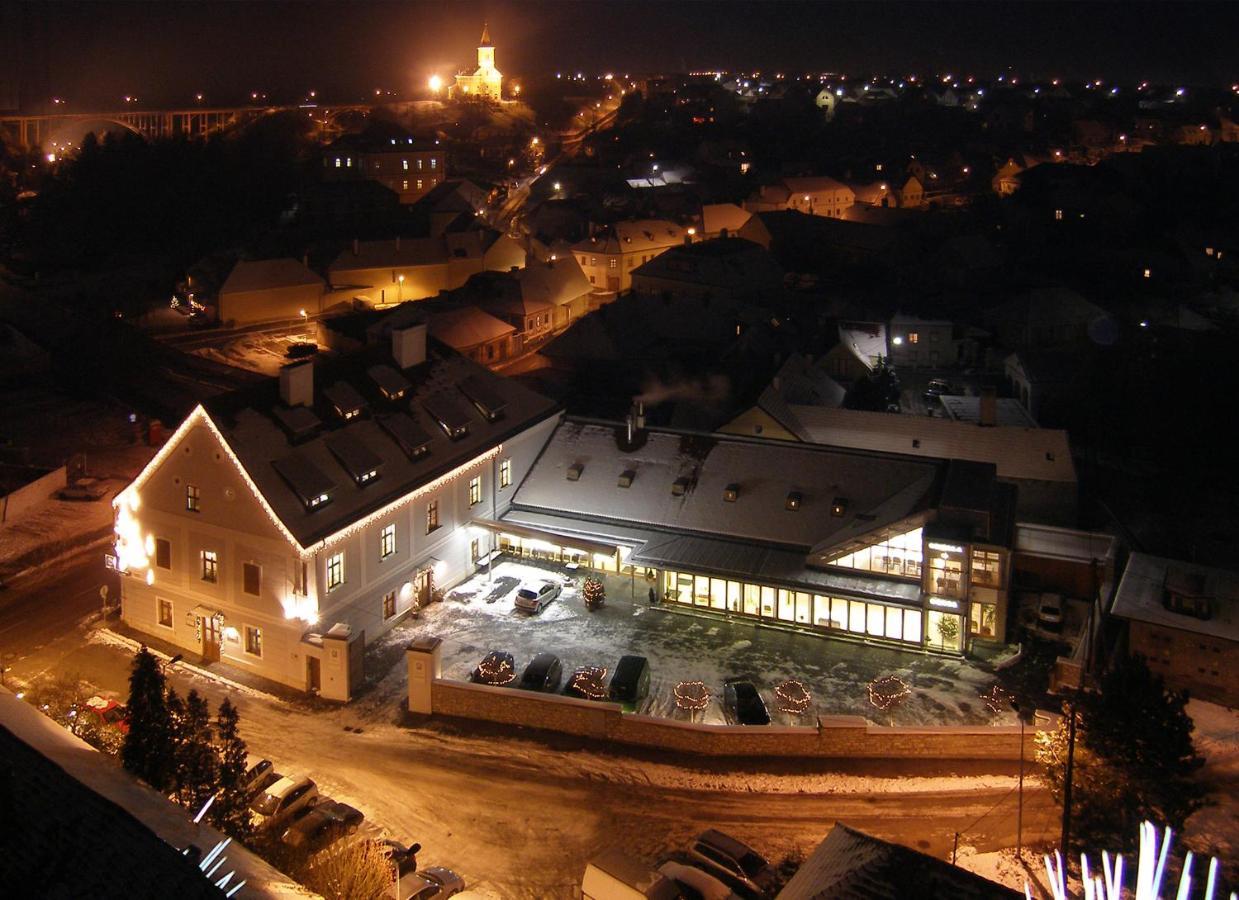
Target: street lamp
x,y
400,289
436,83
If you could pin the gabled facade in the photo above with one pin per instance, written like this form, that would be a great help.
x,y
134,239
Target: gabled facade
x,y
280,529
408,168
608,257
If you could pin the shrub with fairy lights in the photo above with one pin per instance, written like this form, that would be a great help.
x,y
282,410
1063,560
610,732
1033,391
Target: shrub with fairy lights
x,y
594,592
589,682
497,669
692,695
998,699
793,698
887,692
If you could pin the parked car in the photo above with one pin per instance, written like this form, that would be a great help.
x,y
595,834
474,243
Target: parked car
x,y
631,681
543,673
742,704
497,667
108,713
322,825
259,773
732,861
533,597
702,883
936,388
282,799
1050,613
437,883
614,875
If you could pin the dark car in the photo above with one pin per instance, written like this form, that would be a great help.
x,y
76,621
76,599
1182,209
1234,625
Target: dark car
x,y
301,350
497,668
322,825
936,388
543,673
742,704
631,681
732,861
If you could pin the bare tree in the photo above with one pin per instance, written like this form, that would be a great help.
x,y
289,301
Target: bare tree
x,y
355,870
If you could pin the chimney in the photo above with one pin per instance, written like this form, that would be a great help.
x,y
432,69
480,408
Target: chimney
x,y
297,383
722,232
988,413
356,247
305,260
640,422
408,345
628,422
397,243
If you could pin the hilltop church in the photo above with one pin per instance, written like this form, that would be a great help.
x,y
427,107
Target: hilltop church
x,y
485,83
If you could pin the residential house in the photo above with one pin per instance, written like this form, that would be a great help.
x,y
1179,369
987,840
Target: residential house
x,y
729,220
817,196
799,382
917,343
853,865
1184,619
401,164
475,333
1006,180
448,201
382,273
608,256
912,194
269,290
283,527
873,193
559,282
727,269
841,543
861,349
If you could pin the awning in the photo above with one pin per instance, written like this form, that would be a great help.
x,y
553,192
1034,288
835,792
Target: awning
x,y
203,612
565,541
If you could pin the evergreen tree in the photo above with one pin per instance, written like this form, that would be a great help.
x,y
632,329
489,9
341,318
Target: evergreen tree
x,y
176,738
1134,758
147,749
197,762
230,811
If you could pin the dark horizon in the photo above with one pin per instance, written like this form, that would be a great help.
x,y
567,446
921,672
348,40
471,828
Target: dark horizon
x,y
164,53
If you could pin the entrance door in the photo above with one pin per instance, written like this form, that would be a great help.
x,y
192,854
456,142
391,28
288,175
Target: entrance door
x,y
613,283
313,673
421,587
210,639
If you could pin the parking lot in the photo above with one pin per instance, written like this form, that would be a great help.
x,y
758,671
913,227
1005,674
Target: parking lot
x,y
479,616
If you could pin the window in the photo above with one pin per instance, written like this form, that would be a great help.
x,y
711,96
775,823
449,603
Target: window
x,y
505,473
419,184
253,640
944,576
986,569
387,541
432,516
404,185
898,555
163,553
593,260
192,496
165,612
335,571
419,165
389,605
983,619
913,337
434,163
406,164
475,549
612,263
475,490
1058,215
337,162
210,566
251,579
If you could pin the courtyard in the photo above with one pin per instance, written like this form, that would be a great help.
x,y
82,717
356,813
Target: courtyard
x,y
479,615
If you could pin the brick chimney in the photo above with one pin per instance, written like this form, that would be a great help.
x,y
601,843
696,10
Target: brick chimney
x,y
297,383
988,411
408,345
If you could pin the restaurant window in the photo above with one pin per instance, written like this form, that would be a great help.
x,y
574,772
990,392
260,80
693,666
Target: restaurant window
x,y
838,613
986,568
786,606
804,608
894,622
251,579
253,640
944,631
983,620
389,605
733,596
752,600
210,566
335,571
898,555
945,575
163,553
701,590
475,490
718,593
767,602
856,616
165,612
875,622
821,610
387,541
505,473
432,516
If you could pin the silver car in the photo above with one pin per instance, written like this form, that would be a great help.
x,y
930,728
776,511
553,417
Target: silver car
x,y
436,884
535,597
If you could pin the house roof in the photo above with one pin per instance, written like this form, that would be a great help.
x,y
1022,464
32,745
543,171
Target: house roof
x,y
679,480
468,326
1142,589
399,253
1035,454
268,274
864,340
729,264
968,409
851,865
815,184
717,216
632,237
557,282
246,420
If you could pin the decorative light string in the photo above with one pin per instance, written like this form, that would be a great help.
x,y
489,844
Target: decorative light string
x,y
793,697
692,695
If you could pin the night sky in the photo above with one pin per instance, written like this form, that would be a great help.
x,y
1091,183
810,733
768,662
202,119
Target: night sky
x,y
92,53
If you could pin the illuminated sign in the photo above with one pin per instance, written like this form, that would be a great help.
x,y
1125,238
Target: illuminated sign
x,y
944,604
945,548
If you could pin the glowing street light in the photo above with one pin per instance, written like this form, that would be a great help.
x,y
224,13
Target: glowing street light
x,y
436,83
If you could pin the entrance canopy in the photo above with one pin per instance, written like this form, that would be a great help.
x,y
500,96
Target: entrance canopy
x,y
205,612
536,534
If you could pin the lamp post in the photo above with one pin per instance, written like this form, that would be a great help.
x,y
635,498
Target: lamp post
x,y
1019,815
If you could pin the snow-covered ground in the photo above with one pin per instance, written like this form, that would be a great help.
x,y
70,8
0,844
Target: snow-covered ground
x,y
1215,830
479,615
257,351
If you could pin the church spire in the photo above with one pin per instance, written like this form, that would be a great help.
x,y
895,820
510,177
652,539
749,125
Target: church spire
x,y
485,37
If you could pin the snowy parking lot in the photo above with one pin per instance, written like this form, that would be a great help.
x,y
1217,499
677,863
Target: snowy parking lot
x,y
479,615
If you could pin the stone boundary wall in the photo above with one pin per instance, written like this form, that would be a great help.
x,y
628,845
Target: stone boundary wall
x,y
833,736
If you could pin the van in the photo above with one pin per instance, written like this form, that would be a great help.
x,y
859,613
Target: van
x,y
614,875
631,681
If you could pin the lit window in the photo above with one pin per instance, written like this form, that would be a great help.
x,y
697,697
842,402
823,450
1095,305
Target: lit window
x,y
405,186
505,473
389,605
593,260
387,541
1058,215
348,163
612,263
432,516
337,162
913,337
163,553
192,497
475,490
335,571
210,566
251,579
986,568
434,163
165,612
419,184
406,164
419,165
253,640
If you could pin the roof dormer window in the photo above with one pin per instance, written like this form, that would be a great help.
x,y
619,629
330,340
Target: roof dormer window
x,y
626,477
731,493
794,501
574,472
838,507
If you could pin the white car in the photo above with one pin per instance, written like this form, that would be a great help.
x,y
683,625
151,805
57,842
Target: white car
x,y
1050,613
436,882
533,597
281,800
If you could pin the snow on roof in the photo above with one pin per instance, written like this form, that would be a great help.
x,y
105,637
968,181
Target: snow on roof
x,y
968,409
1036,454
394,253
815,184
717,216
268,274
633,237
1142,589
467,327
558,282
866,340
1063,543
679,480
731,264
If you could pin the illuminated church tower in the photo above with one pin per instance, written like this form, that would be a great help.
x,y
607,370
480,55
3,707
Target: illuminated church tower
x,y
487,81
